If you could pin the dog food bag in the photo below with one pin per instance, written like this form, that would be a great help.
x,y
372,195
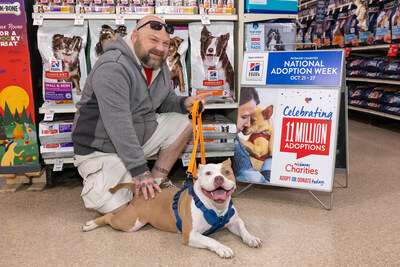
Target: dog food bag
x,y
383,24
396,24
176,60
62,150
254,36
55,132
280,36
328,27
351,29
338,31
367,37
62,47
300,37
103,30
212,60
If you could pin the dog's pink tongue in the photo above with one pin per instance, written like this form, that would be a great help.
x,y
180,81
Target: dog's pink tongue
x,y
210,58
219,195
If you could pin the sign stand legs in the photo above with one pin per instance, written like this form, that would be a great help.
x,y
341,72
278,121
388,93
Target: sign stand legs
x,y
320,202
244,189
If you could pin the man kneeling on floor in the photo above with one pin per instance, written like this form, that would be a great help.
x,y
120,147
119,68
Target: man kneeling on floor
x,y
129,112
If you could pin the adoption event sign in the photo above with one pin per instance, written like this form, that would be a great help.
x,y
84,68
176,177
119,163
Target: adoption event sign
x,y
322,68
301,91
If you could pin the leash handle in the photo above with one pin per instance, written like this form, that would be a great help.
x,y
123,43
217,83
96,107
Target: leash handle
x,y
195,115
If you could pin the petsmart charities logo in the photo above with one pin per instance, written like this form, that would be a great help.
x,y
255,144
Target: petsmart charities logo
x,y
254,71
10,9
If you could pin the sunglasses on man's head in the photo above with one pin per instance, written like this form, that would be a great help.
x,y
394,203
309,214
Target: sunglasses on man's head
x,y
157,26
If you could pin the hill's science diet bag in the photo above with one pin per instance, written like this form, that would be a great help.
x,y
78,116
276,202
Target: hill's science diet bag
x,y
62,47
212,60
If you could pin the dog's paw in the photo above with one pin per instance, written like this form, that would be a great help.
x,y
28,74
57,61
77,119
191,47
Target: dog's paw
x,y
224,251
253,241
90,225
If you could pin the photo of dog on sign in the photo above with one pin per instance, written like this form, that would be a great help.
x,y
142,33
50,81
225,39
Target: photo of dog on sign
x,y
255,138
212,57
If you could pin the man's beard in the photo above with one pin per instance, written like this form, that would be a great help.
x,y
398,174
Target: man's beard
x,y
145,57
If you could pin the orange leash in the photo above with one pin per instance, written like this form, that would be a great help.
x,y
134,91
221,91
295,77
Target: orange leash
x,y
195,115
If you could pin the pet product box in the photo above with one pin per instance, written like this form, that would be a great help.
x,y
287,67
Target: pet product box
x,y
55,132
271,6
62,150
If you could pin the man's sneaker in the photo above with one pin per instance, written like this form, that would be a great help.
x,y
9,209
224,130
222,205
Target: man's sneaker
x,y
164,182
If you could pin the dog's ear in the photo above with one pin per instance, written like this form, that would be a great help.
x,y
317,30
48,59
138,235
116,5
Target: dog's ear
x,y
99,48
77,41
121,30
205,33
223,41
178,40
227,162
267,112
57,38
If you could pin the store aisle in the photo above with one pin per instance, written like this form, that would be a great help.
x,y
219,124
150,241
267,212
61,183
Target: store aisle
x,y
363,229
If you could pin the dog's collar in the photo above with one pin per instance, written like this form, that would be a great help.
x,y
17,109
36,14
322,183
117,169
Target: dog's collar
x,y
209,215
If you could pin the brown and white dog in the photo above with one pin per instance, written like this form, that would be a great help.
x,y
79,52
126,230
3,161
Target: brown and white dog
x,y
213,54
107,33
213,188
67,50
174,63
261,131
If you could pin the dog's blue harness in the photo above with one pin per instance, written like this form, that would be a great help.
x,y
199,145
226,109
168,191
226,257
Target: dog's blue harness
x,y
209,215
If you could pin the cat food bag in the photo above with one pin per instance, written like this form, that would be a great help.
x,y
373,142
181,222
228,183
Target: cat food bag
x,y
176,60
62,48
280,36
254,34
383,24
338,31
212,60
367,37
103,30
396,24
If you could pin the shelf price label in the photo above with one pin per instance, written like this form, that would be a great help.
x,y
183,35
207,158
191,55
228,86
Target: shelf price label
x,y
205,20
58,165
393,49
119,20
186,159
79,19
48,115
38,19
348,50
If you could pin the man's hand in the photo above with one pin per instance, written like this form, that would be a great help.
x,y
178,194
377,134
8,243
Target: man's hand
x,y
145,182
191,99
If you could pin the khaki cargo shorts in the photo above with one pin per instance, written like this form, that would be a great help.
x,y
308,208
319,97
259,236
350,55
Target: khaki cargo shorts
x,y
102,171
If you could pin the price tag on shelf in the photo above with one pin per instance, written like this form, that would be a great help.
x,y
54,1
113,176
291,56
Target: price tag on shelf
x,y
48,115
185,159
119,19
58,165
348,50
38,19
79,19
393,49
205,20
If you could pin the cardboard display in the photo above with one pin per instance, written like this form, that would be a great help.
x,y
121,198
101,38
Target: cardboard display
x,y
18,139
291,137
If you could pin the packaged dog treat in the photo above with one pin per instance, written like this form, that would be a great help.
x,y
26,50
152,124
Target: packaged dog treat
x,y
338,31
383,24
308,36
351,29
396,24
254,34
55,132
62,48
176,60
367,37
212,60
280,36
103,30
392,68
